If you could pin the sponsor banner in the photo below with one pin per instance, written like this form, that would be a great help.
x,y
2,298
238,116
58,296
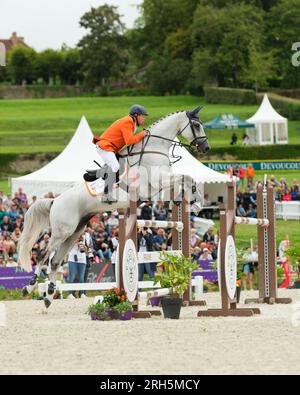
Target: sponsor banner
x,y
14,278
262,166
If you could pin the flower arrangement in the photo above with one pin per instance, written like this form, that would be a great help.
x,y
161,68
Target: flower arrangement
x,y
114,306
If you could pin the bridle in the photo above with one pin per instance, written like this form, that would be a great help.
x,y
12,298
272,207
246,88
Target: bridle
x,y
198,141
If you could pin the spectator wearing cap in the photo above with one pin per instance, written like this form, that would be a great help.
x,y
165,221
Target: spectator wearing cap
x,y
11,262
206,255
13,212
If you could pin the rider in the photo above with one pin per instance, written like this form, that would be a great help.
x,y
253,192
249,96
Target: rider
x,y
119,134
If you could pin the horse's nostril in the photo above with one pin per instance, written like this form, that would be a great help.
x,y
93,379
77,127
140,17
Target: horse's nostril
x,y
207,148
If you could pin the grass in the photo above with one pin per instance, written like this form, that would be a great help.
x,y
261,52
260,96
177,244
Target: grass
x,y
46,125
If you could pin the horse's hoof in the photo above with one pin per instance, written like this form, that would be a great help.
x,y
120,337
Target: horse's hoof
x,y
47,303
25,292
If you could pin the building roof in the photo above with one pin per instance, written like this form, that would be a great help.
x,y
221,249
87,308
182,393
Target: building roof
x,y
13,41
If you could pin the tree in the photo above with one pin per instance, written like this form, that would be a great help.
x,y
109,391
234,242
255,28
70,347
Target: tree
x,y
49,64
103,50
71,65
260,69
226,33
283,30
22,65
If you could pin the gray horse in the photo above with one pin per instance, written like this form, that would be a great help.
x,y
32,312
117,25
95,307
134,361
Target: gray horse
x,y
147,167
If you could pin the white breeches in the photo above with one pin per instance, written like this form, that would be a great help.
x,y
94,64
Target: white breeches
x,y
109,158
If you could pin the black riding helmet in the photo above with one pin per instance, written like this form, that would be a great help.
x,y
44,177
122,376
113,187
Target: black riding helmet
x,y
139,110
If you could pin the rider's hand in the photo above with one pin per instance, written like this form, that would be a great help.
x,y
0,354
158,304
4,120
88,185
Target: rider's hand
x,y
145,133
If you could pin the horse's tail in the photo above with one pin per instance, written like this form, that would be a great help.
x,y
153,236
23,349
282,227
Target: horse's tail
x,y
36,221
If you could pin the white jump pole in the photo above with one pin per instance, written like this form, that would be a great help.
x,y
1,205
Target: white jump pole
x,y
178,225
154,293
251,221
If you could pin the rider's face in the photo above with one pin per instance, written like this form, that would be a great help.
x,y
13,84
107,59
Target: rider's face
x,y
141,119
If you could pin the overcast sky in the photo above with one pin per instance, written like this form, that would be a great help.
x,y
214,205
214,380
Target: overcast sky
x,y
49,23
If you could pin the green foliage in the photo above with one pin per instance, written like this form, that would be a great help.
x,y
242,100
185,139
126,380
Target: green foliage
x,y
293,254
103,49
176,272
123,307
229,96
99,310
114,297
22,65
262,152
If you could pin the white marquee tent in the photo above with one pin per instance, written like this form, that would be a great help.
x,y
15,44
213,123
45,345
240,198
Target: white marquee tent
x,y
67,169
270,127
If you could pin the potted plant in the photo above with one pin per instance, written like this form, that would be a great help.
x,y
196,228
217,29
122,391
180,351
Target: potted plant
x,y
98,312
176,275
293,253
111,299
124,311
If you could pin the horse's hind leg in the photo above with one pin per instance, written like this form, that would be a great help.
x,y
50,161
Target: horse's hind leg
x,y
55,261
28,289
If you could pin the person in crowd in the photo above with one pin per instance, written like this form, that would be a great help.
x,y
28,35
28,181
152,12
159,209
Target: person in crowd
x,y
146,243
113,221
195,239
9,245
234,139
2,261
3,211
160,212
246,139
250,172
113,245
159,239
146,211
241,212
11,262
14,212
6,224
209,236
250,259
241,176
16,235
251,212
77,260
206,255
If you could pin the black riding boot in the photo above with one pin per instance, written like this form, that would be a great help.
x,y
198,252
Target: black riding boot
x,y
110,179
93,175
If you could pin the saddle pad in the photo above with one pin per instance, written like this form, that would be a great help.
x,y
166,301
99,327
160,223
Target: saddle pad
x,y
95,188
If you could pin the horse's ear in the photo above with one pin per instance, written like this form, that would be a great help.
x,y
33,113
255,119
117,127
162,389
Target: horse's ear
x,y
196,111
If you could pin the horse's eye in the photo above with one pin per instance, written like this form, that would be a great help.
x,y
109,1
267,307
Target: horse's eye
x,y
196,124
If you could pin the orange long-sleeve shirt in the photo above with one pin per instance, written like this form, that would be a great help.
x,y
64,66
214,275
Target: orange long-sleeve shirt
x,y
119,134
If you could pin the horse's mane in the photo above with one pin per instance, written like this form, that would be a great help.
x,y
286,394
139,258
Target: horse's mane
x,y
163,118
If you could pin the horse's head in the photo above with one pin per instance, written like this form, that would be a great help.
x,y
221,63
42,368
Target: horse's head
x,y
194,131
